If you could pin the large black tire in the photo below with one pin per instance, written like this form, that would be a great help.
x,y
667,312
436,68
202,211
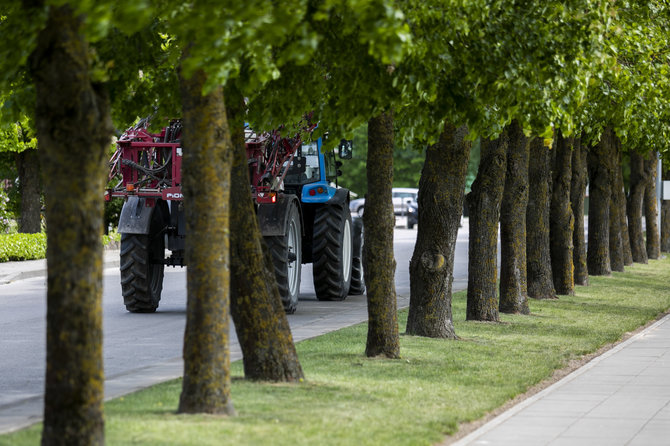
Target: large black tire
x,y
286,254
142,267
332,252
357,283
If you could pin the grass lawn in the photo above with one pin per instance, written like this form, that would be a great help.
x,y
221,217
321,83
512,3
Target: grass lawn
x,y
348,399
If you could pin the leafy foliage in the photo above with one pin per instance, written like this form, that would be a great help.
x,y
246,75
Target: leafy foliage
x,y
18,136
629,96
22,246
484,63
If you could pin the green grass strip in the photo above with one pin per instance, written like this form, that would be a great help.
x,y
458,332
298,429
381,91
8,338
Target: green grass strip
x,y
351,400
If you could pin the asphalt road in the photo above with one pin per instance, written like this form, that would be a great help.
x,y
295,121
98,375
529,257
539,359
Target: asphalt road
x,y
143,349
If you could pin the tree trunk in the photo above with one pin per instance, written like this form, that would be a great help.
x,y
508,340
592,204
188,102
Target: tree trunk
x,y
623,214
651,208
562,221
600,191
378,261
540,278
206,185
577,196
74,130
638,182
484,210
441,205
616,230
513,275
665,219
260,321
29,181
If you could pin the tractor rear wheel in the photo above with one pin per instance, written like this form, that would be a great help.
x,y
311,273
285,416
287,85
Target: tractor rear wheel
x,y
286,251
332,252
357,283
142,267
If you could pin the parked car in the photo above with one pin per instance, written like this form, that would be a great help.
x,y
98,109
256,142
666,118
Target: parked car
x,y
402,196
411,211
404,204
357,206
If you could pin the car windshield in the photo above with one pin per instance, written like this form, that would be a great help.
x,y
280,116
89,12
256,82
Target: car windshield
x,y
404,196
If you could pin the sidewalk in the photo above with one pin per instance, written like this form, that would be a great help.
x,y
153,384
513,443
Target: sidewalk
x,y
619,398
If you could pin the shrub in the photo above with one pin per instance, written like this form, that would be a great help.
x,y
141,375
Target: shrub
x,y
22,247
34,246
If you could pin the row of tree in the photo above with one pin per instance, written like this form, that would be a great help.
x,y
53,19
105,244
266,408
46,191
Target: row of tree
x,y
436,74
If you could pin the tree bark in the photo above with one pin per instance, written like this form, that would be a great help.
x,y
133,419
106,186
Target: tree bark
x,y
206,185
261,324
31,191
638,182
74,130
538,253
562,221
616,230
600,191
441,205
378,261
513,273
577,196
665,219
623,214
653,238
484,210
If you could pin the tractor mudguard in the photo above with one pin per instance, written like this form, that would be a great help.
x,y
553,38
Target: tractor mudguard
x,y
136,216
273,217
341,197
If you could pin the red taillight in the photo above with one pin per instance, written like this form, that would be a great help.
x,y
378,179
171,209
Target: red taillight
x,y
274,198
312,192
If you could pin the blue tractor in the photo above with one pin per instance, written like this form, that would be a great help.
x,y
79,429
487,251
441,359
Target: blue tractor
x,y
309,222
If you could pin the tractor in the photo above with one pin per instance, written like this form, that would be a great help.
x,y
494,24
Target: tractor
x,y
302,213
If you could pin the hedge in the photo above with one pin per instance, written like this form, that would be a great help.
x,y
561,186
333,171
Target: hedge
x,y
18,246
22,247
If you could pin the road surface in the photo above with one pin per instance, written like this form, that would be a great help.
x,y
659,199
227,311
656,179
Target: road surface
x,y
144,349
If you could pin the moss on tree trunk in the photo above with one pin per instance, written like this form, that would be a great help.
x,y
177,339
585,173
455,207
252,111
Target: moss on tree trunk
x,y
562,220
206,185
638,182
616,230
378,261
623,214
653,239
577,196
73,130
261,324
538,254
600,193
441,204
513,274
484,211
